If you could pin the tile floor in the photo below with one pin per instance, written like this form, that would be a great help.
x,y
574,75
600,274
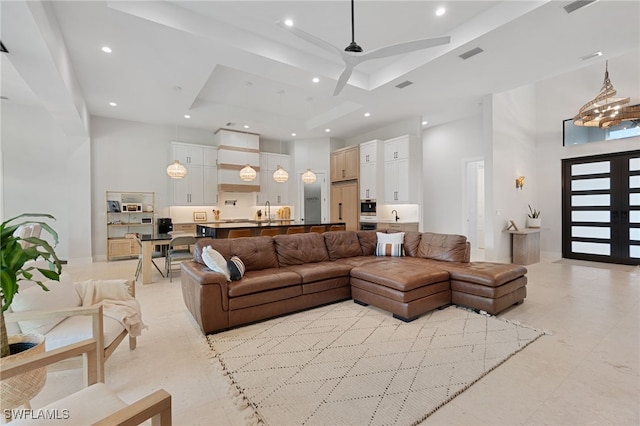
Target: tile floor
x,y
586,371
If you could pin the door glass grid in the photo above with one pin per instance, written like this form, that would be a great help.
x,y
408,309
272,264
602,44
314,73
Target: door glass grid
x,y
591,208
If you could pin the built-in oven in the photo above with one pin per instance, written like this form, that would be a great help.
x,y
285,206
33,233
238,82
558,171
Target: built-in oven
x,y
367,207
368,226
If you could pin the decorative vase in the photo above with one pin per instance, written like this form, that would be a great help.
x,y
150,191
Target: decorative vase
x,y
533,223
19,390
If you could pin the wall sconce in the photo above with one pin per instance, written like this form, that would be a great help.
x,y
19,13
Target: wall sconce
x,y
519,182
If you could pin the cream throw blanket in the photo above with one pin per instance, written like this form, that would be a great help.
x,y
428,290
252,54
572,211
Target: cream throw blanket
x,y
116,301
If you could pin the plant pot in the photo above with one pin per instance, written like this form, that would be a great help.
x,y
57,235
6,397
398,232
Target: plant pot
x,y
533,223
20,389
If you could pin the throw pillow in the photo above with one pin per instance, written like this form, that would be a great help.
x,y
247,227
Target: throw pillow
x,y
390,244
215,261
390,249
394,237
236,268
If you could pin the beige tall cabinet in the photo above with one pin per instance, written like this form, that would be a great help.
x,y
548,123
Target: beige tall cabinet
x,y
345,164
345,201
344,204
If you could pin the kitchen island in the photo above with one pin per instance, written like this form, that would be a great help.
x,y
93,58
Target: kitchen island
x,y
221,230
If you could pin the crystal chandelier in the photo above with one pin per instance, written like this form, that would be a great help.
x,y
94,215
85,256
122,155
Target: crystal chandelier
x,y
605,110
176,170
308,176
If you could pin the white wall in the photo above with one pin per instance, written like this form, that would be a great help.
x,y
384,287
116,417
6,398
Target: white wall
x,y
514,148
411,126
445,150
132,156
44,171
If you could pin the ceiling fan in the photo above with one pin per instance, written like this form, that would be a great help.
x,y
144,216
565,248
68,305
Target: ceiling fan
x,y
352,54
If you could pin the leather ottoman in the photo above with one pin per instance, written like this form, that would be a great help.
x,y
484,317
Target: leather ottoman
x,y
488,286
405,292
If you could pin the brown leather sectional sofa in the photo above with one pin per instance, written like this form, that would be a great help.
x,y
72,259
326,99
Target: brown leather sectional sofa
x,y
288,273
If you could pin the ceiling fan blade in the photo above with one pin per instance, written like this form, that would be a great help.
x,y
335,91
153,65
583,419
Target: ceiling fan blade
x,y
310,38
406,47
342,80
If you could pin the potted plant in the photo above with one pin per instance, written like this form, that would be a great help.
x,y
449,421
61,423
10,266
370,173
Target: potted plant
x,y
533,218
15,252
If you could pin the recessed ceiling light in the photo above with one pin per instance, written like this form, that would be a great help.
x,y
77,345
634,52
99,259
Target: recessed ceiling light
x,y
425,122
591,55
440,11
316,80
106,49
288,22
187,116
113,104
246,126
367,114
293,134
327,130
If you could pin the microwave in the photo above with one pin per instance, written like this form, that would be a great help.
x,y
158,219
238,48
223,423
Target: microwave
x,y
367,207
132,207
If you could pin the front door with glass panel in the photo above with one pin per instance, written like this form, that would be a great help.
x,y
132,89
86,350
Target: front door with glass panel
x,y
601,208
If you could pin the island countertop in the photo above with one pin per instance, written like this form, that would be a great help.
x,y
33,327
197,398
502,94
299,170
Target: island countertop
x,y
221,230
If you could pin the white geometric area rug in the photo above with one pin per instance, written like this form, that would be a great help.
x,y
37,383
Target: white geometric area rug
x,y
346,364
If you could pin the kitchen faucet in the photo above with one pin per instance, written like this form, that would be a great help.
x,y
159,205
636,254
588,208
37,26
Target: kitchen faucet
x,y
396,214
267,210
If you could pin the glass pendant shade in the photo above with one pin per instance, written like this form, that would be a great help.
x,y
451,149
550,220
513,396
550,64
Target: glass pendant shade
x,y
280,175
176,170
248,173
308,176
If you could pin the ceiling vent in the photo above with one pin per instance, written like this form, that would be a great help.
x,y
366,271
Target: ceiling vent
x,y
470,53
404,84
2,48
578,4
230,124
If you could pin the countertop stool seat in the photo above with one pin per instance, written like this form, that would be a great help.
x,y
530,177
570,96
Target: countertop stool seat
x,y
405,292
239,233
269,232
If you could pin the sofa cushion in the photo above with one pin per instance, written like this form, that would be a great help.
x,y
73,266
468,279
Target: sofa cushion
x,y
61,295
368,240
80,327
256,252
297,249
262,280
342,244
321,271
411,243
445,247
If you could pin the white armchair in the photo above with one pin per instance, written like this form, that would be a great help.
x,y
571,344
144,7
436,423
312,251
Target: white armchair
x,y
95,404
65,314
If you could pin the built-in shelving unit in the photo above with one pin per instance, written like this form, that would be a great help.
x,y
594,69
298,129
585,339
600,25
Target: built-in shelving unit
x,y
128,213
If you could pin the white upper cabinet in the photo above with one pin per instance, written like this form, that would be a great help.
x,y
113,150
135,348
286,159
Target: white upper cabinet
x,y
402,170
277,193
199,187
371,169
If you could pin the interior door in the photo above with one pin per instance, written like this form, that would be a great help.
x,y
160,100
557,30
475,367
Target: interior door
x,y
601,208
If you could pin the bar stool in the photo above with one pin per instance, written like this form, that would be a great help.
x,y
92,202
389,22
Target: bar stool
x,y
338,228
237,233
269,232
295,230
318,228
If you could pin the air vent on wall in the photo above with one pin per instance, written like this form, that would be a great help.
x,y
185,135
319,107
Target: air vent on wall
x,y
2,48
470,53
578,4
404,84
